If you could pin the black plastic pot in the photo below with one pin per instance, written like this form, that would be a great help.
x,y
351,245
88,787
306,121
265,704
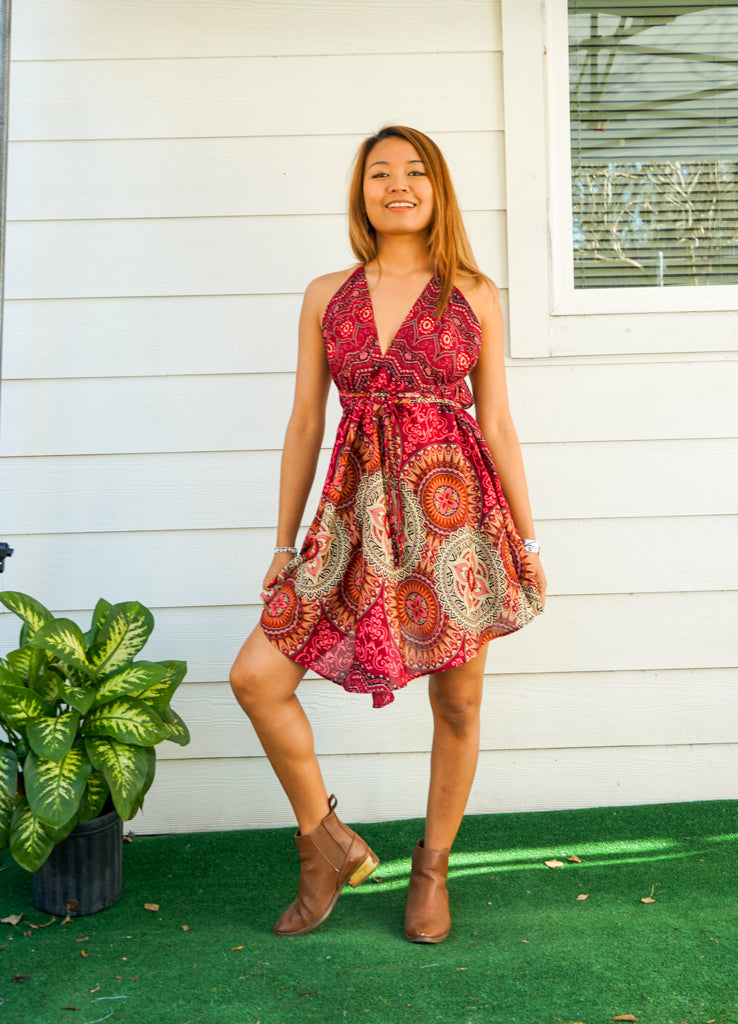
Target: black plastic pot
x,y
84,873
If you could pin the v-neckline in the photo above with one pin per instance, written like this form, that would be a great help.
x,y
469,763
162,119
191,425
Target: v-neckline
x,y
407,317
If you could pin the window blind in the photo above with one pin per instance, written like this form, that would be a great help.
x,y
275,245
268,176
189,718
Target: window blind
x,y
654,143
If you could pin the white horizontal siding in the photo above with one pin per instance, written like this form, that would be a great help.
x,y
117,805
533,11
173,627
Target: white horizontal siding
x,y
232,490
589,633
194,256
228,177
177,174
175,414
80,30
223,793
214,567
214,97
590,709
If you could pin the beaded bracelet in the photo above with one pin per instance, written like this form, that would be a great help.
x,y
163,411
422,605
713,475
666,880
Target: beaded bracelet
x,y
291,550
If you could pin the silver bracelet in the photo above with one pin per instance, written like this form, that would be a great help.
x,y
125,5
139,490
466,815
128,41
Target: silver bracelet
x,y
291,550
532,547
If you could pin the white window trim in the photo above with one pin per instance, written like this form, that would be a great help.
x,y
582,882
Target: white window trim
x,y
545,308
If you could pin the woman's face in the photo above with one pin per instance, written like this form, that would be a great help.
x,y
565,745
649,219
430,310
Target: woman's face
x,y
397,191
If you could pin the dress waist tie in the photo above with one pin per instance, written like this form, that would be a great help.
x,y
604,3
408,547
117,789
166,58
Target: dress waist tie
x,y
382,407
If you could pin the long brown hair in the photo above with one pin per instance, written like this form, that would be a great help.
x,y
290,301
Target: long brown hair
x,y
448,243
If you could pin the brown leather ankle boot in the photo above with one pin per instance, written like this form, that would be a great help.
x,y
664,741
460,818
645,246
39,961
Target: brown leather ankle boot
x,y
330,856
428,918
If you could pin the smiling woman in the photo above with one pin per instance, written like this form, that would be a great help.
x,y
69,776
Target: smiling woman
x,y
415,558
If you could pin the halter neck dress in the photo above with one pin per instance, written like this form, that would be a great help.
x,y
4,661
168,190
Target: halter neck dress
x,y
412,561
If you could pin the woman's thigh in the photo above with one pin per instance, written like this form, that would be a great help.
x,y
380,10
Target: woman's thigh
x,y
261,673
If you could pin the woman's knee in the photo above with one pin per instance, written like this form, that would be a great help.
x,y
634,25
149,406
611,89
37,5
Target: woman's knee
x,y
261,676
457,702
247,683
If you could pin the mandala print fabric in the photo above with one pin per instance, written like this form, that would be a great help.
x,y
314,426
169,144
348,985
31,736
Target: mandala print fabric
x,y
412,562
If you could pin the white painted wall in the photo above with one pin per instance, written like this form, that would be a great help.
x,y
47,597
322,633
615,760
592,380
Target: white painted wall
x,y
177,175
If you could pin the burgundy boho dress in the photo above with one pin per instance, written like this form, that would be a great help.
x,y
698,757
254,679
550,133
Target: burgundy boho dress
x,y
413,561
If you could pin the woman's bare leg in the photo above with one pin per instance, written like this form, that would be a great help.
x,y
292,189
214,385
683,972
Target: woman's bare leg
x,y
456,697
264,682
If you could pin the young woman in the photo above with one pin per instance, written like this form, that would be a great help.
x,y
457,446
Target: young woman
x,y
422,548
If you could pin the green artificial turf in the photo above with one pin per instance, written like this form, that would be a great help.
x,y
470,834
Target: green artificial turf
x,y
523,949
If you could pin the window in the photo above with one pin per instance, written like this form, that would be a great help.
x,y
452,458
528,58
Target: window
x,y
653,93
686,52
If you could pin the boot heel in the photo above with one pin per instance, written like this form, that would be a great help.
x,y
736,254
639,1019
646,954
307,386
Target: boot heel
x,y
365,869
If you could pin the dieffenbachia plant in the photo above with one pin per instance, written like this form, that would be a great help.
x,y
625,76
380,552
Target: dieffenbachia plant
x,y
80,718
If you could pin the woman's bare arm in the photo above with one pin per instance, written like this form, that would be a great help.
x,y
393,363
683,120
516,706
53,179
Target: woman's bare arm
x,y
306,425
489,385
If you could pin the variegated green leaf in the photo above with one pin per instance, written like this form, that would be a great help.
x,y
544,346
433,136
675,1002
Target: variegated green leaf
x,y
161,692
59,834
150,773
64,639
102,608
8,790
27,663
47,685
27,608
54,789
78,697
94,797
9,677
178,731
128,720
30,842
53,737
133,679
124,632
18,704
125,769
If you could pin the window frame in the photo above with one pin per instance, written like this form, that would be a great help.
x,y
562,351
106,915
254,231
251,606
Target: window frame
x,y
554,318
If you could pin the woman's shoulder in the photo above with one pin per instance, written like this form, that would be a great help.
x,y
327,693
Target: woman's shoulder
x,y
321,290
480,292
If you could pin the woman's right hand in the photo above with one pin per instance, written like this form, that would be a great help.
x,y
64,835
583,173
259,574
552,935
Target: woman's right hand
x,y
280,560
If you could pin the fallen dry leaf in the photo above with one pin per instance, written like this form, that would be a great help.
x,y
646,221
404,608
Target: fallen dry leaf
x,y
151,906
554,863
94,990
129,837
234,948
574,859
583,896
134,978
18,977
67,920
12,919
71,1008
648,899
625,1016
43,925
186,928
83,952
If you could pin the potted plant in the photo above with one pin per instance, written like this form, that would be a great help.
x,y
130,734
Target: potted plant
x,y
80,718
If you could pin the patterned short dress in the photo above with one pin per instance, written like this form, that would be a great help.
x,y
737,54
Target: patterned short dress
x,y
412,561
